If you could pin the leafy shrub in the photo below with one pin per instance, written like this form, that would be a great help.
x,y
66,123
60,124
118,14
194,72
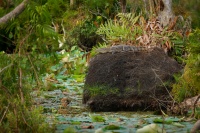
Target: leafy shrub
x,y
132,29
20,71
18,77
24,120
121,30
106,8
188,84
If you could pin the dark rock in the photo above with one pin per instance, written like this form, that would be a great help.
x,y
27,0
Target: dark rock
x,y
129,81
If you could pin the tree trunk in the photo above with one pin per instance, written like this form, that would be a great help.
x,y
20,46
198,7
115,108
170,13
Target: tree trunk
x,y
72,3
162,8
166,15
1,3
14,13
123,5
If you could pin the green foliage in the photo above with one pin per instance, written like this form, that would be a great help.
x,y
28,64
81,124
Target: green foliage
x,y
70,68
188,84
121,30
73,62
133,29
135,6
112,127
180,90
34,26
196,114
76,123
16,108
175,42
87,32
100,45
128,18
95,12
178,44
106,8
97,118
101,90
122,122
88,28
20,72
2,11
188,9
69,130
25,120
161,120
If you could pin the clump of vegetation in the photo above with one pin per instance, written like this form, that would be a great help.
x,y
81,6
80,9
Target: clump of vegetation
x,y
112,127
133,29
122,31
188,84
185,9
106,9
17,113
24,120
100,45
36,34
34,38
101,90
97,118
70,130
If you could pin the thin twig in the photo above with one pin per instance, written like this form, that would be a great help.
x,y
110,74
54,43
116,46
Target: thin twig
x,y
159,102
20,69
35,72
163,84
6,67
97,13
6,90
25,120
194,106
20,78
17,117
165,88
4,113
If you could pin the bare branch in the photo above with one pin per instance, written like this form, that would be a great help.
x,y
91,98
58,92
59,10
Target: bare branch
x,y
1,70
14,13
4,113
163,84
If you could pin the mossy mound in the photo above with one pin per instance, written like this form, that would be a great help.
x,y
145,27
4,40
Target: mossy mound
x,y
129,81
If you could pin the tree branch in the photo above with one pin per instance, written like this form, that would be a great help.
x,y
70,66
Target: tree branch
x,y
14,13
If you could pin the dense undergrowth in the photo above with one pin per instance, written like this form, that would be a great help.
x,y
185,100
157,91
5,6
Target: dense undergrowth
x,y
188,84
47,27
17,82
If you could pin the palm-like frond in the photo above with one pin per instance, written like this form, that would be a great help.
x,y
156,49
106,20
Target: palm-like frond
x,y
120,30
100,45
128,18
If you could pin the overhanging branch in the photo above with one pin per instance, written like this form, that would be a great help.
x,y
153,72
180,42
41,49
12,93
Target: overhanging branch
x,y
14,13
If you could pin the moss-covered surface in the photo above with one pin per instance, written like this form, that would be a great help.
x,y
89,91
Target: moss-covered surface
x,y
129,80
101,90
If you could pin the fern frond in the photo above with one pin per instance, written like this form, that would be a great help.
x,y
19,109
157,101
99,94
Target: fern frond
x,y
128,18
122,30
100,45
114,31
